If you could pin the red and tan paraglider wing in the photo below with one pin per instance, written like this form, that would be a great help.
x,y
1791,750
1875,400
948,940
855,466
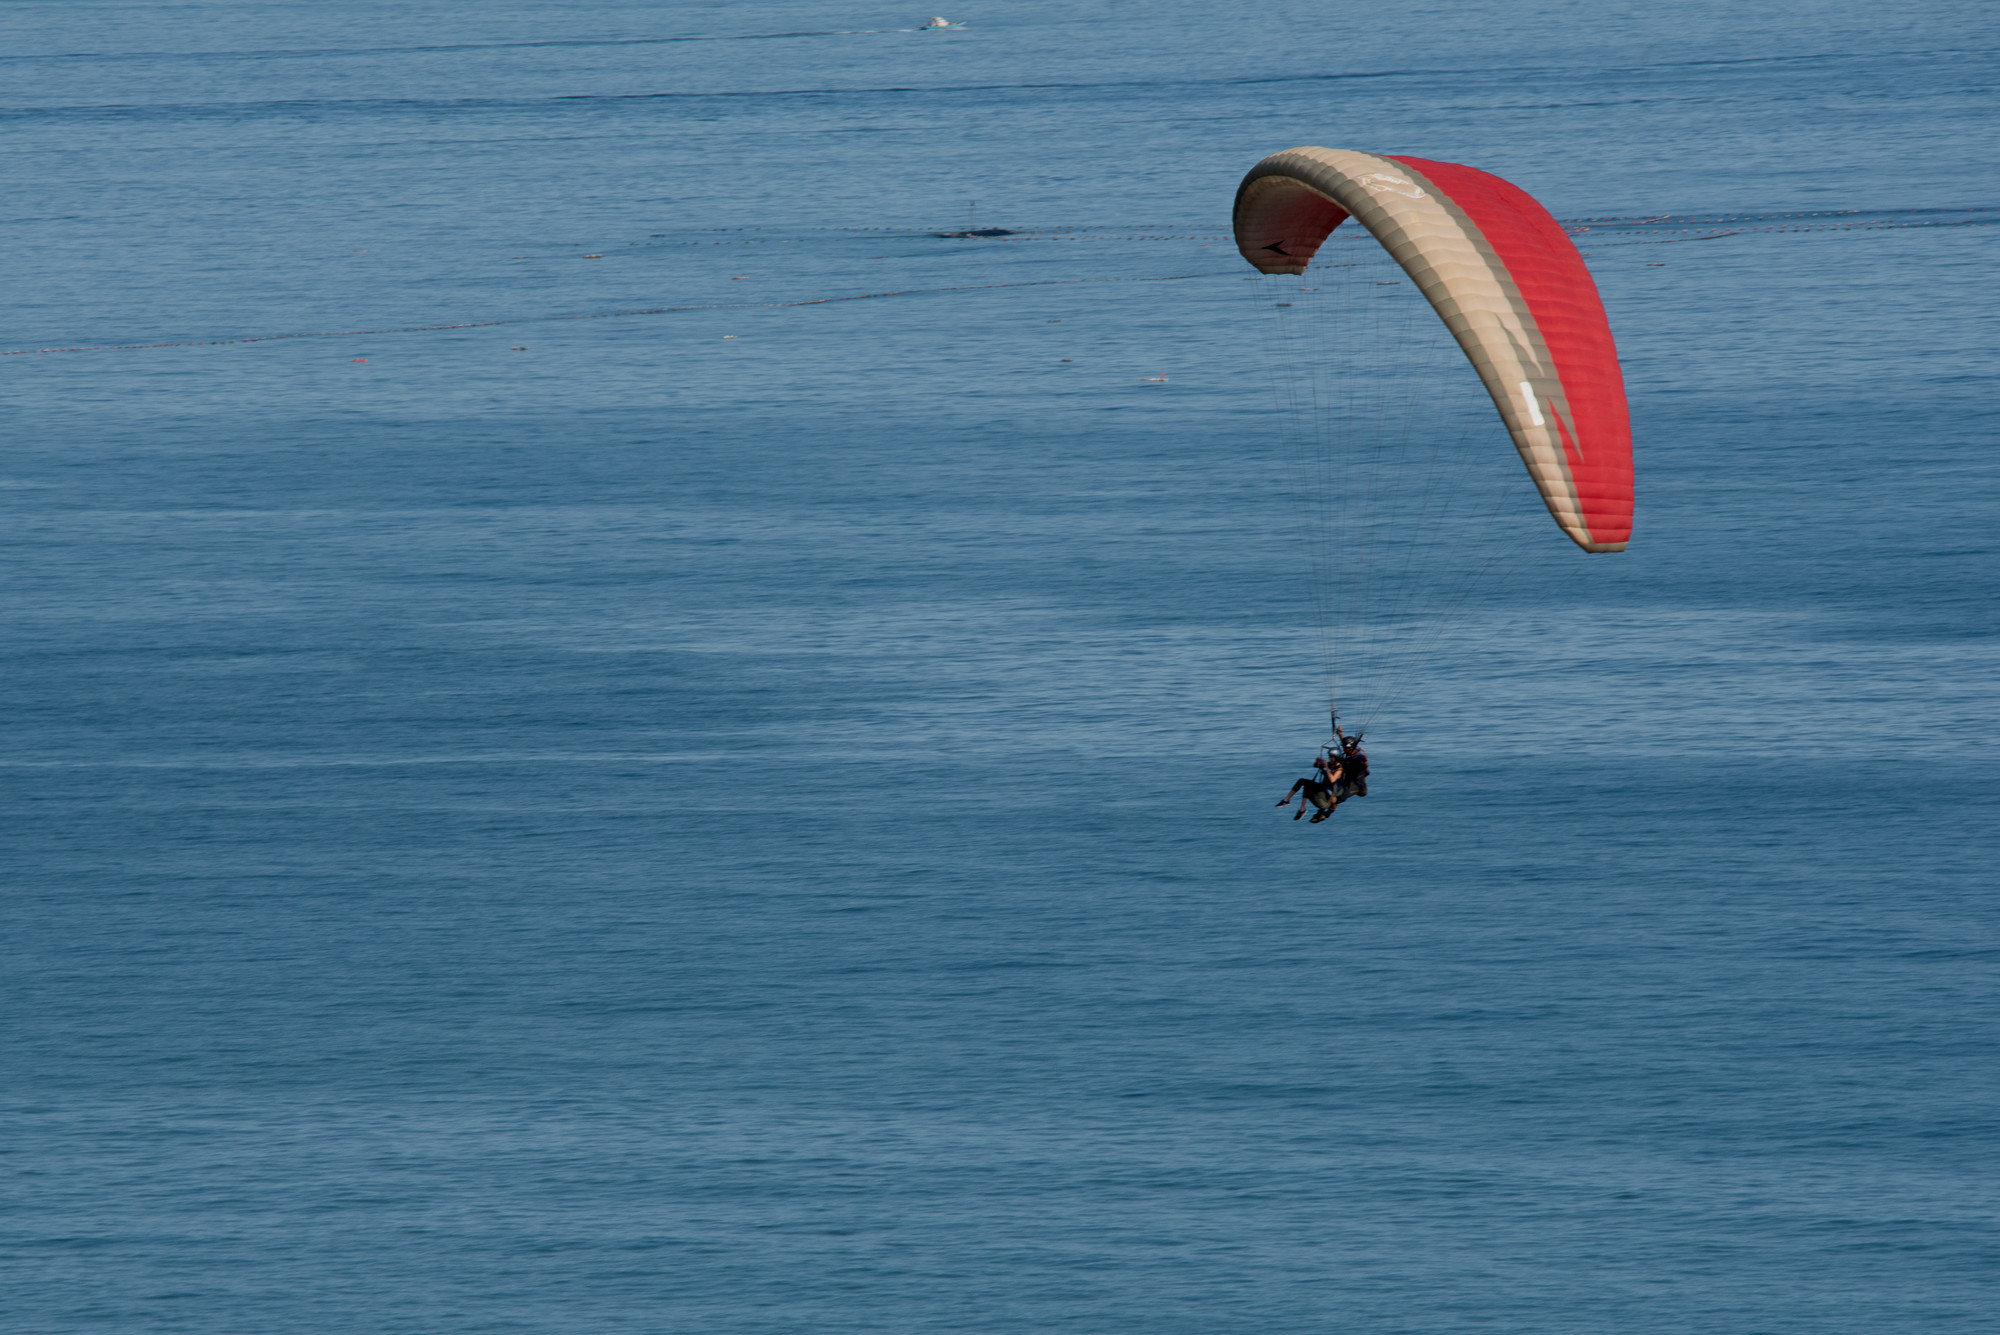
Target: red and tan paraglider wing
x,y
1507,282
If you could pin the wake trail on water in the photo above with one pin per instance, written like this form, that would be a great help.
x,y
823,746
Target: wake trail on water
x,y
1595,233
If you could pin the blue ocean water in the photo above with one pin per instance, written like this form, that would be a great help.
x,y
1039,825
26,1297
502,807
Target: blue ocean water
x,y
758,818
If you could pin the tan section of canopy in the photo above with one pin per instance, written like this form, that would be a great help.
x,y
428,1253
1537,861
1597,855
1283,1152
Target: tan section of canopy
x,y
1291,202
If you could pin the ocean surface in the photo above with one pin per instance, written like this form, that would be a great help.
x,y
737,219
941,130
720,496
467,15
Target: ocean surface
x,y
711,768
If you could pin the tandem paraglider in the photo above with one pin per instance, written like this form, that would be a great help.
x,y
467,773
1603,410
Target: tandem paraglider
x,y
1406,509
1340,772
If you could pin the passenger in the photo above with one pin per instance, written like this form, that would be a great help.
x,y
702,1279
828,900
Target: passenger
x,y
1321,788
1331,773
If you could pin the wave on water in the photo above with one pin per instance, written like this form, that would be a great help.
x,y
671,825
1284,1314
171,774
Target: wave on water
x,y
336,52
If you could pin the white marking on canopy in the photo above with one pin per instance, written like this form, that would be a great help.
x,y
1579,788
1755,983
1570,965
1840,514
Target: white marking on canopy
x,y
1534,409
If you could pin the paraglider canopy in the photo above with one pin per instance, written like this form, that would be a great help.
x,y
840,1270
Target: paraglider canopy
x,y
1508,283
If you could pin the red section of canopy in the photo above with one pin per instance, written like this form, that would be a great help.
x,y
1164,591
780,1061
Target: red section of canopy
x,y
1563,300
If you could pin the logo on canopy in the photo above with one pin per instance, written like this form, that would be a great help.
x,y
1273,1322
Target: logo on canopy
x,y
1377,183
